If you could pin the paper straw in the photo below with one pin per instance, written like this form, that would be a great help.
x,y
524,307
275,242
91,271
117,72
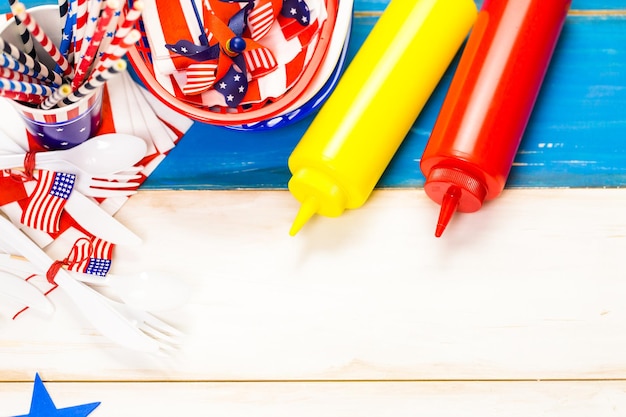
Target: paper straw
x,y
117,51
94,7
82,16
27,41
7,61
24,87
16,76
124,28
67,32
110,32
93,83
92,49
26,98
29,62
61,92
78,27
19,10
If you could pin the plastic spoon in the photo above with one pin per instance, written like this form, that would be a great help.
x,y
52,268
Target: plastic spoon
x,y
152,291
15,288
100,155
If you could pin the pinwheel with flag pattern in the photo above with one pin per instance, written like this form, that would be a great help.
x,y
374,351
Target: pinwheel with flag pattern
x,y
231,58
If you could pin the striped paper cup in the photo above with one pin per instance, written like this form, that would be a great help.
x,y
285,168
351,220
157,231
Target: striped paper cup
x,y
63,127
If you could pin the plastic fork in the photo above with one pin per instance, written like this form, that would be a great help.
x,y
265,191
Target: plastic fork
x,y
114,185
120,324
118,184
167,335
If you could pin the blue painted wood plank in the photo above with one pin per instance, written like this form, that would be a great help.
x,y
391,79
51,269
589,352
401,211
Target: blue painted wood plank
x,y
576,137
379,5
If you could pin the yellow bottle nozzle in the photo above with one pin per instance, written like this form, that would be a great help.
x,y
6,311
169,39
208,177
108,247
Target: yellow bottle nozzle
x,y
308,208
319,193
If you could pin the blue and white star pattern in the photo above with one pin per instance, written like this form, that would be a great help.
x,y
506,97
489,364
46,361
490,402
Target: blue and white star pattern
x,y
234,85
98,266
63,185
298,10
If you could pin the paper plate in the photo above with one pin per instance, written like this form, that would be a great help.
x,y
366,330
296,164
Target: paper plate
x,y
325,80
313,84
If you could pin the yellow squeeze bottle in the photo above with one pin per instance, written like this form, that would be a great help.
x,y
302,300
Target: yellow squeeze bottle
x,y
345,151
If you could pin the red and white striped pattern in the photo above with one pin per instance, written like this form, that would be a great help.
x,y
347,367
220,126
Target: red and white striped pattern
x,y
62,114
167,22
199,78
46,205
117,51
91,50
85,249
16,76
259,58
121,36
260,19
81,23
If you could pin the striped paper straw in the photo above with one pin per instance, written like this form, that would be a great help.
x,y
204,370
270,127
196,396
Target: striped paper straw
x,y
117,51
94,7
24,87
19,10
27,41
16,76
61,92
7,61
29,62
66,32
94,82
123,30
110,32
92,49
82,16
26,98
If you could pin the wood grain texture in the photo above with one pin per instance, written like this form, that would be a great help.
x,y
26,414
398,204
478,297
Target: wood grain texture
x,y
487,399
530,287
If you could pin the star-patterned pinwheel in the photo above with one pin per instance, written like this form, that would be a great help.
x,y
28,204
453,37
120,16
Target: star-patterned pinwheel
x,y
233,58
42,406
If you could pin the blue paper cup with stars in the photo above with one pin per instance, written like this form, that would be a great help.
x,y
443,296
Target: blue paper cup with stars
x,y
61,127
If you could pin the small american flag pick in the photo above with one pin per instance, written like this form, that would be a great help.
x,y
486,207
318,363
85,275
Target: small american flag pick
x,y
91,256
46,203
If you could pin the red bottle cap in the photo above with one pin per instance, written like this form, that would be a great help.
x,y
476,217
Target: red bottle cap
x,y
455,190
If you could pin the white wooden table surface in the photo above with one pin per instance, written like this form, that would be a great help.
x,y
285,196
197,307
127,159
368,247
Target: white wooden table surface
x,y
518,310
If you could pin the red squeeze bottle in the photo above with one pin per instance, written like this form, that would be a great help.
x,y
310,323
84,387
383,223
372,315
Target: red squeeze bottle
x,y
470,152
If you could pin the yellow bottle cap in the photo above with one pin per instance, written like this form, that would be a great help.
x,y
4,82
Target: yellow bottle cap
x,y
319,193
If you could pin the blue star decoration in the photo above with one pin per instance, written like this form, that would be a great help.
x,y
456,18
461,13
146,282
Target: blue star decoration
x,y
42,406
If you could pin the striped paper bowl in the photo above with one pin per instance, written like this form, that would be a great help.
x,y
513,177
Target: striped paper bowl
x,y
313,84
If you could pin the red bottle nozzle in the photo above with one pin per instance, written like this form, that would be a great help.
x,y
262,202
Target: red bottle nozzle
x,y
455,190
448,207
